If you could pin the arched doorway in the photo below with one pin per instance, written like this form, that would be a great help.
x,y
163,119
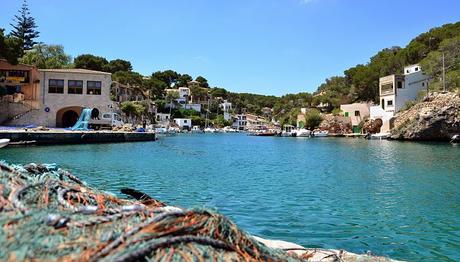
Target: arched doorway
x,y
95,113
68,116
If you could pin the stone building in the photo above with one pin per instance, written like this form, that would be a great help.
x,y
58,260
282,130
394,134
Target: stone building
x,y
61,96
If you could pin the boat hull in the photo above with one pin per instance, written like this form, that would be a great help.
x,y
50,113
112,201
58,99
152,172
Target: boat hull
x,y
4,142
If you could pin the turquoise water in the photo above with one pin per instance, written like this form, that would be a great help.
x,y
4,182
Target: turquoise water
x,y
396,199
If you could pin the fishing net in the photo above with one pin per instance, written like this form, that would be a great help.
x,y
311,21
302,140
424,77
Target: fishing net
x,y
46,213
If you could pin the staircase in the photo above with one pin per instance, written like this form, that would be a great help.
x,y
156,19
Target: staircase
x,y
16,111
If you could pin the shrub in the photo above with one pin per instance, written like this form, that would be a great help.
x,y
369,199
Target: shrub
x,y
313,119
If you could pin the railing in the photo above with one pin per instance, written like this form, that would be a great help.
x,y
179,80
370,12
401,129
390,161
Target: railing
x,y
14,110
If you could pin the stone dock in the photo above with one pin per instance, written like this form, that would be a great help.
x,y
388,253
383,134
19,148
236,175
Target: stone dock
x,y
55,137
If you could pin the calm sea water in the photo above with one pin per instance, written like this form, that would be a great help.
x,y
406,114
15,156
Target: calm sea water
x,y
396,199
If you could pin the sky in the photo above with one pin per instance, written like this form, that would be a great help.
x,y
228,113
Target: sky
x,y
268,47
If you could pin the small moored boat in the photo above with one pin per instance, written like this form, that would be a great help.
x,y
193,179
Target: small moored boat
x,y
455,139
320,133
289,131
379,136
4,142
302,132
196,129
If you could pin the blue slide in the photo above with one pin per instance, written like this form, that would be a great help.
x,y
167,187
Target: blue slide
x,y
82,122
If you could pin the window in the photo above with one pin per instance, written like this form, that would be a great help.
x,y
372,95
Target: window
x,y
357,113
93,87
56,86
399,83
389,102
416,69
423,83
75,87
185,121
387,88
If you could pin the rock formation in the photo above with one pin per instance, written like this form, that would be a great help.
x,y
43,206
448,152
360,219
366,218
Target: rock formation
x,y
437,117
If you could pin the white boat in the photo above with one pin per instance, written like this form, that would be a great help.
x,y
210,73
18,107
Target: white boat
x,y
161,130
210,130
4,142
455,139
380,136
196,129
228,129
320,133
302,132
288,131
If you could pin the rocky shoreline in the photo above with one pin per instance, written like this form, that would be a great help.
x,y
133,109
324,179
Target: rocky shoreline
x,y
435,118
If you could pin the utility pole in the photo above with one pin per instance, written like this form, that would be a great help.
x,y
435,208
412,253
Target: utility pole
x,y
443,73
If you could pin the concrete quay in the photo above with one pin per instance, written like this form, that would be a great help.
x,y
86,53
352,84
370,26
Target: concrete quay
x,y
55,137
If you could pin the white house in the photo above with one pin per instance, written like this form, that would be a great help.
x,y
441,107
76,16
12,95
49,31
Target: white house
x,y
163,118
226,107
183,123
240,122
395,91
185,99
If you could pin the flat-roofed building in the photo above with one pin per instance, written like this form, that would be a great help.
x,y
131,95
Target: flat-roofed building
x,y
395,91
63,93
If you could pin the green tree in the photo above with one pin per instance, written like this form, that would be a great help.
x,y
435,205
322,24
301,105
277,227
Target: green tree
x,y
221,122
183,80
203,81
198,121
169,77
156,87
90,62
118,65
47,56
10,47
432,64
24,28
126,77
132,110
313,119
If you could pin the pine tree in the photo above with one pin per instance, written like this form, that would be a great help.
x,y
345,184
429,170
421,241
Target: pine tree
x,y
24,29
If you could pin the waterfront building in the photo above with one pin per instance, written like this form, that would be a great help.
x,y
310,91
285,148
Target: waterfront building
x,y
183,123
19,90
395,91
240,122
250,122
57,96
163,118
357,112
226,108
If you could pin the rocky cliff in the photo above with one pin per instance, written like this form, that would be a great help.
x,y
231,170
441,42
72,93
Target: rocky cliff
x,y
437,117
